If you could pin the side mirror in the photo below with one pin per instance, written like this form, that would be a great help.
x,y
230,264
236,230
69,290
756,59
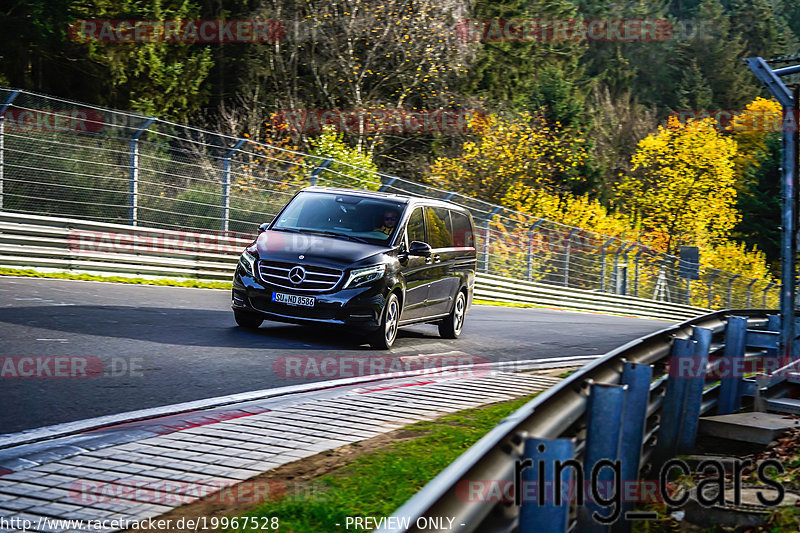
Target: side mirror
x,y
419,248
263,227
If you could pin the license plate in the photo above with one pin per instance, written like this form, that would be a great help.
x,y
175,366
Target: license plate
x,y
293,299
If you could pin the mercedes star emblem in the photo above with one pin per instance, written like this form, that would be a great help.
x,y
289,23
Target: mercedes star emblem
x,y
297,275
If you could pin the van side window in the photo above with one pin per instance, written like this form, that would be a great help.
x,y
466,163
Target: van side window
x,y
416,226
440,230
462,230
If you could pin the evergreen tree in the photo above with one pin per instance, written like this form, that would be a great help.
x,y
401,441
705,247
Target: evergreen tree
x,y
764,30
717,52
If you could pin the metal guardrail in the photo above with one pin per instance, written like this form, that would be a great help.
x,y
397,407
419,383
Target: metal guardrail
x,y
70,159
636,405
101,248
502,289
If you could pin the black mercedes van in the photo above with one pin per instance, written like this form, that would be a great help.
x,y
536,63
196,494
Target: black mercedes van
x,y
364,260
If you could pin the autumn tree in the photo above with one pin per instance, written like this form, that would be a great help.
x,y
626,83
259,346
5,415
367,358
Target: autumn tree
x,y
510,156
758,177
682,188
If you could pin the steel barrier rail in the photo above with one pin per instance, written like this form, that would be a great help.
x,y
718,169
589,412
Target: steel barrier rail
x,y
502,289
95,247
560,413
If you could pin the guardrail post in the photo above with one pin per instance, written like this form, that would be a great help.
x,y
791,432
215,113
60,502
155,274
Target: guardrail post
x,y
530,248
637,378
730,289
542,513
750,292
226,184
487,238
567,253
694,390
134,172
674,399
604,411
731,388
318,170
3,109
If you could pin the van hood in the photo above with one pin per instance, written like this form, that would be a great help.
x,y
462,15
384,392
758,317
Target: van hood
x,y
315,249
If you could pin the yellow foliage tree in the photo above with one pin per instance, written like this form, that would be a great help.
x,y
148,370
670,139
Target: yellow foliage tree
x,y
523,155
682,188
750,129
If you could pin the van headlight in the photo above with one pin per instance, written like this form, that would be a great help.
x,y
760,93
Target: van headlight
x,y
248,262
360,276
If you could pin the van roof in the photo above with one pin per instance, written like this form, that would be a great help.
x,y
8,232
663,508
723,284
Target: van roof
x,y
405,198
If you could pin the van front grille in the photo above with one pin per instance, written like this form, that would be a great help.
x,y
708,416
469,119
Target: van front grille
x,y
299,277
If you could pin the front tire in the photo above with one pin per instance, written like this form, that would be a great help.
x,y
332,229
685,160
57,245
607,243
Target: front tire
x,y
384,337
450,327
246,319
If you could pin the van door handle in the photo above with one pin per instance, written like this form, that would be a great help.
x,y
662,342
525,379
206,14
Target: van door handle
x,y
437,259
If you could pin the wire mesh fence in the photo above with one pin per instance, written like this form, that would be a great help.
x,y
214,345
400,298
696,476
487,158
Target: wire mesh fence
x,y
65,158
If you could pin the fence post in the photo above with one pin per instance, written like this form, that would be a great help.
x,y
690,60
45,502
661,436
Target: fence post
x,y
385,186
545,515
604,411
226,184
567,253
318,170
487,238
750,292
530,248
730,393
134,172
764,297
603,263
637,378
711,287
730,289
11,97
636,271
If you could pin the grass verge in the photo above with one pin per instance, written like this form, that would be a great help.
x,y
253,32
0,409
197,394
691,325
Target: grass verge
x,y
376,483
167,282
478,301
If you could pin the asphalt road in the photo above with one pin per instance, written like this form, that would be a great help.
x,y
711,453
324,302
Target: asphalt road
x,y
102,348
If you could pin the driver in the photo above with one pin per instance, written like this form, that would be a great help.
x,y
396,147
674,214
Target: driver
x,y
390,218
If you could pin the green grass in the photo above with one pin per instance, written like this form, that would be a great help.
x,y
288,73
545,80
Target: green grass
x,y
380,481
478,301
116,279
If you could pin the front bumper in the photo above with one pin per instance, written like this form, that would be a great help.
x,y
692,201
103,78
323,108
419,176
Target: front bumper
x,y
359,307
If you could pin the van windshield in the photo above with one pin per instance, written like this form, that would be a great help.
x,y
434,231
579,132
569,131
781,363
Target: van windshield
x,y
370,220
